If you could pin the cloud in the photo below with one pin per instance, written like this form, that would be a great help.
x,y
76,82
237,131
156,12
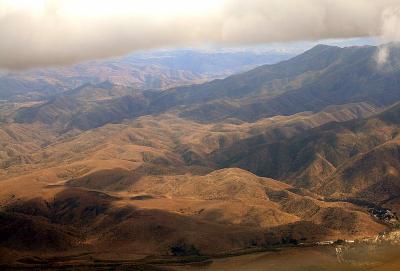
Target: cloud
x,y
391,24
390,35
382,55
58,32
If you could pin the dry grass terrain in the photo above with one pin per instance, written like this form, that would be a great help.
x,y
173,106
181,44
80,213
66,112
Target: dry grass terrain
x,y
268,160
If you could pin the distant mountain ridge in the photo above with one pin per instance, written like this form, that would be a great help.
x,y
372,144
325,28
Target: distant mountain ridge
x,y
150,70
322,76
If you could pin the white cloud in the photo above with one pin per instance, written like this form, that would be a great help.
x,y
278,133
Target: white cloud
x,y
56,32
391,25
382,55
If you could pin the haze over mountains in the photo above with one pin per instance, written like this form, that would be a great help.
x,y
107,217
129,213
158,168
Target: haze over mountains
x,y
293,152
148,70
310,82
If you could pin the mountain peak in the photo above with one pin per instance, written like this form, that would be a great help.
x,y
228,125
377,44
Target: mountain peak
x,y
323,47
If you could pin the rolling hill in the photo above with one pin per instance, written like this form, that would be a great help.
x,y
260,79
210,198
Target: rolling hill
x,y
157,214
357,158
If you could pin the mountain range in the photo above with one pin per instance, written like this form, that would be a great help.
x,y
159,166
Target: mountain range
x,y
301,151
154,70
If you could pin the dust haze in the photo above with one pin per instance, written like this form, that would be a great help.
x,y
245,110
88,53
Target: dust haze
x,y
60,32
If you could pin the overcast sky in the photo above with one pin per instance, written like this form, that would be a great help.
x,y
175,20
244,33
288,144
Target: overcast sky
x,y
57,32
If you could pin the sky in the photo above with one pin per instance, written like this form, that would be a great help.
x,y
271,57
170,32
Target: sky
x,y
36,33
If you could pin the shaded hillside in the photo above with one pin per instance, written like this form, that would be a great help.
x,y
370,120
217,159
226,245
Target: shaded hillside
x,y
357,158
86,107
374,175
